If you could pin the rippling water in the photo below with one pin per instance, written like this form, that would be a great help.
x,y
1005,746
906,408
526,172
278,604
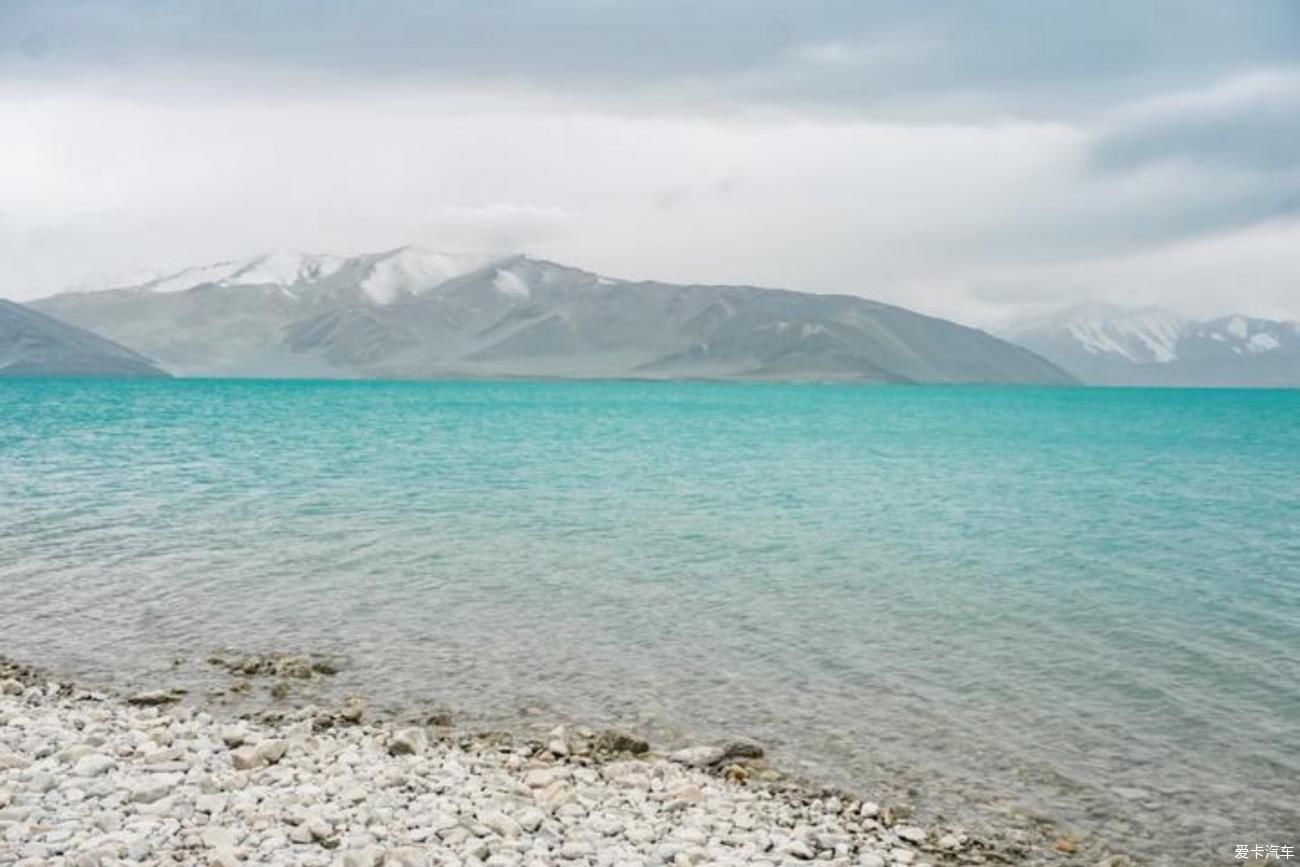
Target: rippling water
x,y
1085,602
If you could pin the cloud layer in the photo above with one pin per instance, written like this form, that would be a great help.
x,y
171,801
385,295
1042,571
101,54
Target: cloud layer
x,y
971,160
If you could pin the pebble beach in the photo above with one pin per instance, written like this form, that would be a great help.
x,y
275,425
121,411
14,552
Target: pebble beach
x,y
97,780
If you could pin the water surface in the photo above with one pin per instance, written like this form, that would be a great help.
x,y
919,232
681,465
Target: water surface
x,y
1082,602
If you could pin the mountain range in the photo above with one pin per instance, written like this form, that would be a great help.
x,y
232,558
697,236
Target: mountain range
x,y
33,344
1103,344
418,313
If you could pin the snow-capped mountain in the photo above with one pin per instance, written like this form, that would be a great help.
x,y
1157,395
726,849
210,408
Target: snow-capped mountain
x,y
1111,345
414,312
383,277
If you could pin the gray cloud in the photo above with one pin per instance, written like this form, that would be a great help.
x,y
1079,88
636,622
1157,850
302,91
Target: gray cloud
x,y
1046,57
954,156
1252,123
1231,148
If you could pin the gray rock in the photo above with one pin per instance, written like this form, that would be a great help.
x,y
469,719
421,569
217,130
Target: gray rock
x,y
246,759
157,787
800,849
618,741
950,841
531,819
93,765
233,736
575,849
353,710
272,751
223,858
501,824
541,778
154,698
407,742
217,837
12,761
742,748
698,757
318,828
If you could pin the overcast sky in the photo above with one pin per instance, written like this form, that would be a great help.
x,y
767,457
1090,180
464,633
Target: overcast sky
x,y
977,160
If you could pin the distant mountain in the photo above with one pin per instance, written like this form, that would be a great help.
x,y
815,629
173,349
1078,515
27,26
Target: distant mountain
x,y
1110,345
33,344
412,312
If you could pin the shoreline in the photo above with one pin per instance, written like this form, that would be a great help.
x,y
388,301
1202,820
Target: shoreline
x,y
96,779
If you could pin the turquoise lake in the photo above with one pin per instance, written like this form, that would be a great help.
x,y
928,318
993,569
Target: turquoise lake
x,y
1081,602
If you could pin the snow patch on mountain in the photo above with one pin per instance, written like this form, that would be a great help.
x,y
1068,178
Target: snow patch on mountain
x,y
284,268
512,285
415,270
1143,335
200,275
382,277
1262,343
1114,345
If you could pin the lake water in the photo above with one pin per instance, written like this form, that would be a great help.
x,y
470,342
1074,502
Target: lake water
x,y
1082,602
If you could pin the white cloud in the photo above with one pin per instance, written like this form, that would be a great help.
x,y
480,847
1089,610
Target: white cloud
x,y
929,215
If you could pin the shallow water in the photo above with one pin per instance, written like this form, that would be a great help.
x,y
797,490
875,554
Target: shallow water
x,y
1085,602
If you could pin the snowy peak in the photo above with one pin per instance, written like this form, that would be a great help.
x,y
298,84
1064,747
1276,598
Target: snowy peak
x,y
381,277
1140,335
1107,344
285,268
413,270
281,268
1244,335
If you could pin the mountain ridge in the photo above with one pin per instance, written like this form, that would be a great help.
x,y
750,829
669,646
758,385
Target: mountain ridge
x,y
1115,345
34,344
413,312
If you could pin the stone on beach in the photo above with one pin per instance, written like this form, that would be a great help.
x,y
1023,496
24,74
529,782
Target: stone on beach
x,y
216,837
618,741
353,709
224,858
93,765
100,783
272,751
154,698
742,748
233,736
500,823
698,757
155,788
246,759
407,742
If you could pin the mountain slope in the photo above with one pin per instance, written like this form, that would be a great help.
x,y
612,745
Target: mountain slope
x,y
229,319
33,344
1110,345
417,313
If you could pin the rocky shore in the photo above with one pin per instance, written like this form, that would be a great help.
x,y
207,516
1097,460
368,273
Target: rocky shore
x,y
93,780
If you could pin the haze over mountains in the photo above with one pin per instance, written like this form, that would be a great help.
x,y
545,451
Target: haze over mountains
x,y
1105,344
412,312
33,344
